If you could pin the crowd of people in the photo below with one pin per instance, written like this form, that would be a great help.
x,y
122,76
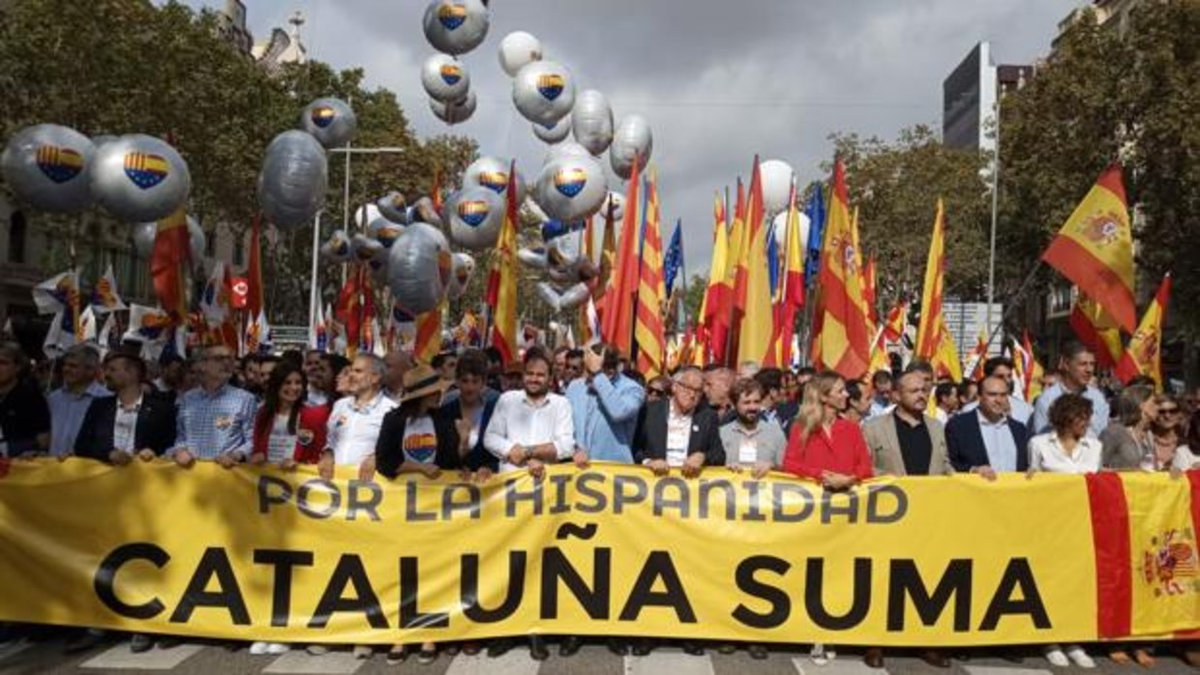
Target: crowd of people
x,y
467,413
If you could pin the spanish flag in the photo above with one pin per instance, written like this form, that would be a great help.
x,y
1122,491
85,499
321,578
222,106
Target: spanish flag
x,y
1096,329
1094,249
1033,371
737,243
1143,355
648,322
929,329
758,318
843,341
502,281
616,320
978,356
793,282
897,322
946,362
254,296
714,306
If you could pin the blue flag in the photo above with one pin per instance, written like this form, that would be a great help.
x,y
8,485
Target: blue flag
x,y
673,259
773,261
815,210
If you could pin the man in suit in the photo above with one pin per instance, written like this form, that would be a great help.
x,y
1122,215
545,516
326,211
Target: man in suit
x,y
133,422
678,432
988,439
907,442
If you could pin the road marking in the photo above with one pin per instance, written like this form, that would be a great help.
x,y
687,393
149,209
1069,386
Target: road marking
x,y
847,665
514,662
336,662
1000,670
13,648
672,661
122,658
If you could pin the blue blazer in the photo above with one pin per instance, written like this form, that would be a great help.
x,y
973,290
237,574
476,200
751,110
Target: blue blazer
x,y
964,442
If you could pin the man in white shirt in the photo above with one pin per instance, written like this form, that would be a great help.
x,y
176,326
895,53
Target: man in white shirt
x,y
532,426
355,420
69,403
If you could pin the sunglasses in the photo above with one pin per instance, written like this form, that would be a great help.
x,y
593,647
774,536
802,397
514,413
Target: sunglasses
x,y
1168,411
655,391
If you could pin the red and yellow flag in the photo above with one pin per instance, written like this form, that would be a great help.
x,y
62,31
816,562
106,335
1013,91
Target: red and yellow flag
x,y
946,362
1096,329
1032,371
716,296
793,282
616,321
168,264
254,280
502,281
844,340
758,319
429,334
978,356
897,321
648,324
928,338
1094,248
738,243
1143,355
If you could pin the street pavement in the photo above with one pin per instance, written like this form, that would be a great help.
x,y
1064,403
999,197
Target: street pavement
x,y
200,659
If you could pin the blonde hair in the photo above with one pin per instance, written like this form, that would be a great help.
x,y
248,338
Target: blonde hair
x,y
812,409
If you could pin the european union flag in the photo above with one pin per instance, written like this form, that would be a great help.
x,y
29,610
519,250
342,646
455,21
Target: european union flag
x,y
815,210
773,261
673,260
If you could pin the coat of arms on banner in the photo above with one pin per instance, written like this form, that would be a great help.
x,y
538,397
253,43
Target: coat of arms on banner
x,y
1170,565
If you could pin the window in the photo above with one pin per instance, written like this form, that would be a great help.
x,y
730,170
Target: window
x,y
16,237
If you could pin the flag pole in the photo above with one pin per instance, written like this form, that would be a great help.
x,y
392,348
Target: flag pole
x,y
682,319
991,296
314,293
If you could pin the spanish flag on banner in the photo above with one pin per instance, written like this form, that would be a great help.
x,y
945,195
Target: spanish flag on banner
x,y
1144,535
1143,356
1094,248
844,342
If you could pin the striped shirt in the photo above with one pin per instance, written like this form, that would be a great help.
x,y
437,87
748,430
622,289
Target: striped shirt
x,y
215,424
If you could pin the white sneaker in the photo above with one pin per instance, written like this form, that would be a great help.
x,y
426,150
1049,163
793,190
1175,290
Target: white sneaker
x,y
1056,657
277,648
1080,657
259,648
820,655
317,650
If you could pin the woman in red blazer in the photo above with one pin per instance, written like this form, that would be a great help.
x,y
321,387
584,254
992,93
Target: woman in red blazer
x,y
286,431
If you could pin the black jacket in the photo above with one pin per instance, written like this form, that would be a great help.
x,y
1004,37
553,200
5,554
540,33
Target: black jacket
x,y
389,453
155,427
964,442
479,457
650,438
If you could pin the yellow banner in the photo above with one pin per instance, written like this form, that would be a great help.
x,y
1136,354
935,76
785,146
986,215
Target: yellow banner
x,y
263,554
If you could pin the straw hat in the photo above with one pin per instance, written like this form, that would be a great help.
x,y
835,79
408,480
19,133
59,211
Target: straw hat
x,y
422,380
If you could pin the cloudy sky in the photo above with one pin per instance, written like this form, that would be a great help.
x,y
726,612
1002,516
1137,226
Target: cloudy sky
x,y
719,80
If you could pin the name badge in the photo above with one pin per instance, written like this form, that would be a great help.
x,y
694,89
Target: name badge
x,y
223,422
305,436
748,453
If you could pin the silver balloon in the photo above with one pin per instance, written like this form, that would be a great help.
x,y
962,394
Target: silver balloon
x,y
454,112
423,211
564,150
632,137
780,228
456,26
463,268
293,181
385,231
474,217
534,257
49,166
378,265
518,49
365,214
337,247
492,173
571,188
364,248
776,176
143,238
616,202
419,268
331,121
445,79
555,134
592,121
571,298
394,207
544,92
138,178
